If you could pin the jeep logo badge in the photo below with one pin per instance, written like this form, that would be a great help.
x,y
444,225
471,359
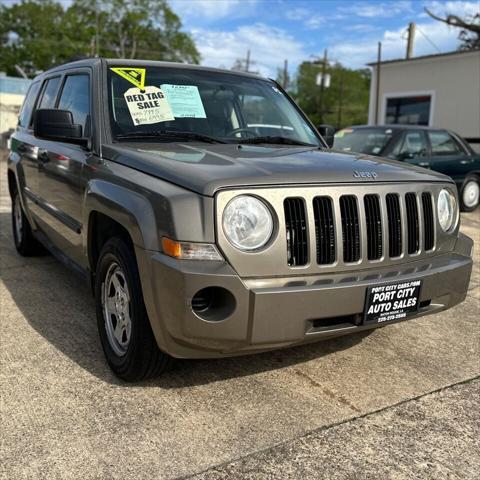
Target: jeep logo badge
x,y
371,175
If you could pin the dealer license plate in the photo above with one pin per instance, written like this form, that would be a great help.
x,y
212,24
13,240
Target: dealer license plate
x,y
396,301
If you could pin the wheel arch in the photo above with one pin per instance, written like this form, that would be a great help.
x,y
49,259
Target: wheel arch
x,y
473,172
101,228
114,210
463,180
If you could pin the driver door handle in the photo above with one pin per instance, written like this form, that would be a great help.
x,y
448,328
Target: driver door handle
x,y
423,164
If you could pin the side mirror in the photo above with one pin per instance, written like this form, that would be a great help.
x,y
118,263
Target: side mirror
x,y
406,156
57,125
327,132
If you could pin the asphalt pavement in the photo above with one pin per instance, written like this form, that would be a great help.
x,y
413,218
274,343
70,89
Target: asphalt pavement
x,y
402,402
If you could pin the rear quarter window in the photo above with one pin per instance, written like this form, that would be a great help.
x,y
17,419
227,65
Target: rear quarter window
x,y
28,104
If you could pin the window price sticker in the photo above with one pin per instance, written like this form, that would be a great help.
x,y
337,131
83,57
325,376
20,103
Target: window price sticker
x,y
185,100
148,106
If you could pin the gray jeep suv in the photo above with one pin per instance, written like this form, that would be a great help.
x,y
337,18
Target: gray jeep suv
x,y
212,219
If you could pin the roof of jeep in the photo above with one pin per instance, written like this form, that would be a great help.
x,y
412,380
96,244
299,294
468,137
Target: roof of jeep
x,y
90,62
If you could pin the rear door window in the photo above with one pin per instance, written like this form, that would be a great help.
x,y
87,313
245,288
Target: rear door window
x,y
50,91
28,104
75,97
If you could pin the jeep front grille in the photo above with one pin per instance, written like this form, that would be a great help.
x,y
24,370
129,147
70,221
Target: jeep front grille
x,y
400,225
412,222
373,218
324,230
394,225
340,228
296,227
350,228
429,234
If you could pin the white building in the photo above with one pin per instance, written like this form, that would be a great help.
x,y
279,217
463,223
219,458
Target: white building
x,y
435,90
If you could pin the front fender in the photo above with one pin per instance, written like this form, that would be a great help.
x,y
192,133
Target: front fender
x,y
129,208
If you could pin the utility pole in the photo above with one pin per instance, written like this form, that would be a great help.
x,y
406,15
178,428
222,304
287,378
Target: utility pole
x,y
248,63
322,84
340,99
410,39
285,75
377,89
97,47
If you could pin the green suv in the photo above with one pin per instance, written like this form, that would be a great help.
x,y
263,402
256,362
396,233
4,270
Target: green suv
x,y
435,148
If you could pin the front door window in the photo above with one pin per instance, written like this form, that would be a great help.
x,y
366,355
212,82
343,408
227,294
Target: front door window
x,y
75,97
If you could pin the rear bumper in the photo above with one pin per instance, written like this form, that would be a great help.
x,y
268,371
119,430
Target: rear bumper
x,y
278,312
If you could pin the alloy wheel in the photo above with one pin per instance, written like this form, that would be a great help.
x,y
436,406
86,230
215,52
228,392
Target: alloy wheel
x,y
17,217
471,194
117,309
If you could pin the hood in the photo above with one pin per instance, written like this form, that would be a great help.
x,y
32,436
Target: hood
x,y
206,169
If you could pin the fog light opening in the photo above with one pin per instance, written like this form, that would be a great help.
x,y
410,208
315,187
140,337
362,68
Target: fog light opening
x,y
213,304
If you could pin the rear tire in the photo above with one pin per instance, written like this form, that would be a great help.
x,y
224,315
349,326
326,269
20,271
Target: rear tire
x,y
25,243
470,194
125,332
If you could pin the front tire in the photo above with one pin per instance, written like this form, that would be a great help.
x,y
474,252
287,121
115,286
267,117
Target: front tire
x,y
25,243
125,332
470,194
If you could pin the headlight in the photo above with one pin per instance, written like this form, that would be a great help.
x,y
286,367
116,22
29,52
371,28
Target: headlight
x,y
247,223
446,210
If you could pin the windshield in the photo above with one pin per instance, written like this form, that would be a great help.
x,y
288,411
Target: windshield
x,y
371,141
200,105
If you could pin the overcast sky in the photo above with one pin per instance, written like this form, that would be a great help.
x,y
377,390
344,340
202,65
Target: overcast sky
x,y
275,30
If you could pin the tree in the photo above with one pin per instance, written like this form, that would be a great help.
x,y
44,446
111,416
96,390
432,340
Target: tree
x,y
469,35
33,36
146,29
37,34
345,102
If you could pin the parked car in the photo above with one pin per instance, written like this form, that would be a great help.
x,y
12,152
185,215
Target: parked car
x,y
211,219
435,148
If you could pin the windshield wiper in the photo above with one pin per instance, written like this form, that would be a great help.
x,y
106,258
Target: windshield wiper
x,y
274,140
171,133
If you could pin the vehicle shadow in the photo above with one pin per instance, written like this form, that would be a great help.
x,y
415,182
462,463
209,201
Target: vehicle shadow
x,y
60,307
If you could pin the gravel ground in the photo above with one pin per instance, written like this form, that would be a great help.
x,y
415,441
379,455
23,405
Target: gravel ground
x,y
353,407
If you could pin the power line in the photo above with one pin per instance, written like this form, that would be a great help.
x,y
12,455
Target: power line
x,y
86,45
428,40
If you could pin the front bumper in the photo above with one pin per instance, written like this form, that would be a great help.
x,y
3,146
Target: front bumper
x,y
277,312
